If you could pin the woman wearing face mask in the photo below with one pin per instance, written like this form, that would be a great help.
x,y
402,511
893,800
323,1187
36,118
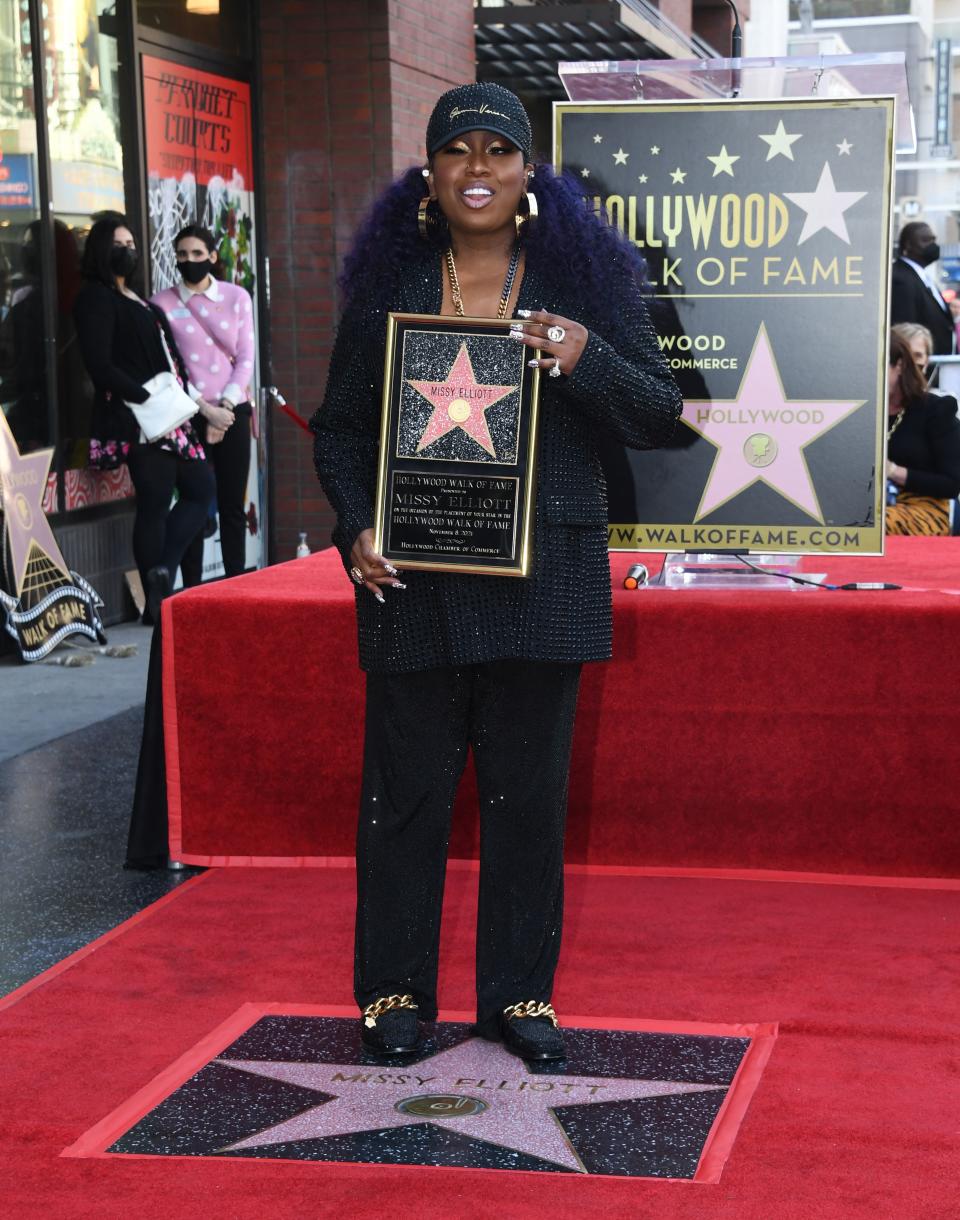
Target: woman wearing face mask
x,y
213,324
923,448
458,661
125,343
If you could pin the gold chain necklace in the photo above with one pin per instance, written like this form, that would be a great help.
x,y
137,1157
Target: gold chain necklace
x,y
507,283
897,421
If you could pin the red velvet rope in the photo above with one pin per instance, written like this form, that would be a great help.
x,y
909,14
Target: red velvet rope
x,y
297,419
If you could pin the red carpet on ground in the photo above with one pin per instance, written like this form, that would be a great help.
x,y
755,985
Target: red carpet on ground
x,y
799,730
855,1116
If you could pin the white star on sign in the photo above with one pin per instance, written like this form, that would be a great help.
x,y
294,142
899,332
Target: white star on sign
x,y
620,157
780,142
723,162
518,1110
843,148
655,151
678,175
642,178
824,207
584,173
598,139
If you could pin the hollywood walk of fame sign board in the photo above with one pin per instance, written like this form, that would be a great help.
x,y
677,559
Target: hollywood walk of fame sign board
x,y
45,602
765,228
282,1082
455,490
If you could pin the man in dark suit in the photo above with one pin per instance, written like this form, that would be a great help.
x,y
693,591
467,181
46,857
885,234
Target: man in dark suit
x,y
914,297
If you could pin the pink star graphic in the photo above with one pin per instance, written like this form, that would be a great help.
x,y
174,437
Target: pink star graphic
x,y
517,1110
460,402
22,484
761,434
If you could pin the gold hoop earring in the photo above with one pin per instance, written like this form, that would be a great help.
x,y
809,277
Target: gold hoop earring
x,y
527,213
422,220
431,222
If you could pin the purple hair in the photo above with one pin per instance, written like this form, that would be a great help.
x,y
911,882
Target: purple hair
x,y
568,243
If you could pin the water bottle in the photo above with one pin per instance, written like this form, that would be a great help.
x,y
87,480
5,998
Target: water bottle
x,y
302,549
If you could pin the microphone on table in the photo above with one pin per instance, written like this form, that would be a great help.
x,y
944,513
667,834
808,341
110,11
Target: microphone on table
x,y
636,576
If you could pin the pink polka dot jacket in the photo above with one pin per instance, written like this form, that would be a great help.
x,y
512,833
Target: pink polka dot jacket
x,y
214,332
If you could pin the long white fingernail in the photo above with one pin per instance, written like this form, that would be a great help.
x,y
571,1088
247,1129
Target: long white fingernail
x,y
533,364
524,313
516,334
391,569
379,597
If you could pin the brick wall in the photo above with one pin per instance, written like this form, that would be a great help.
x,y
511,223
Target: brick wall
x,y
348,86
713,21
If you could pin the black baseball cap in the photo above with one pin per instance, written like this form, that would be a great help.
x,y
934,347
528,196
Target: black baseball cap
x,y
479,107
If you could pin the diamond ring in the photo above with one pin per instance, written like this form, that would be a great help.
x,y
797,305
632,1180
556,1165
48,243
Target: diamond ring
x,y
356,576
556,334
555,371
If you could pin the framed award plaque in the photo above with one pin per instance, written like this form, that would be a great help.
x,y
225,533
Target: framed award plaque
x,y
458,441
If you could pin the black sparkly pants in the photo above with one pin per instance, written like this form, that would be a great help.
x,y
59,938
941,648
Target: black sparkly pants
x,y
518,717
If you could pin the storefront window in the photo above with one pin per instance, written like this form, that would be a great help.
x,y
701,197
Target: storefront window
x,y
222,24
22,384
86,177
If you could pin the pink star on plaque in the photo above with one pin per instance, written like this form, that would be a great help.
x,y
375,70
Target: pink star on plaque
x,y
760,435
460,402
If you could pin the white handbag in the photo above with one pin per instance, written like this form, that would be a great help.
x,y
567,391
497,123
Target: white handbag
x,y
167,407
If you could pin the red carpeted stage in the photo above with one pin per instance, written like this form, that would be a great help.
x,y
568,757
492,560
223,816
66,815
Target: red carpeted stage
x,y
854,1117
790,730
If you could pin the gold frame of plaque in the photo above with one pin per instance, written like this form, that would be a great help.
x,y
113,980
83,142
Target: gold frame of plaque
x,y
468,505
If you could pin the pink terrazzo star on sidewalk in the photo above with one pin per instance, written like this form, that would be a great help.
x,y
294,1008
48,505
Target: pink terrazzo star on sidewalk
x,y
476,1088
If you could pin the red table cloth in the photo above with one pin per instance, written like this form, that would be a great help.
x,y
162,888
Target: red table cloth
x,y
794,730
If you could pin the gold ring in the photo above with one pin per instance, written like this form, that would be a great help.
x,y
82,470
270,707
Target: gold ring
x,y
356,576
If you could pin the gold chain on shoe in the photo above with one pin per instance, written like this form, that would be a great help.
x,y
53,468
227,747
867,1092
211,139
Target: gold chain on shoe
x,y
532,1008
385,1004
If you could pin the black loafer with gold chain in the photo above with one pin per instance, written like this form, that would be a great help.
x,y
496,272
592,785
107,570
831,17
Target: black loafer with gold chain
x,y
389,1026
531,1031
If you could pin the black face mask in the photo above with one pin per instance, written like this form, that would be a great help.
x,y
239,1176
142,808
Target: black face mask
x,y
124,261
929,254
195,272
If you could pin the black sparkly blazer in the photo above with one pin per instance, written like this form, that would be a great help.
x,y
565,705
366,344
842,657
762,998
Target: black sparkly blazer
x,y
562,610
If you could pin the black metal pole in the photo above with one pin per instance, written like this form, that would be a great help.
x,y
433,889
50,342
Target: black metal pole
x,y
46,248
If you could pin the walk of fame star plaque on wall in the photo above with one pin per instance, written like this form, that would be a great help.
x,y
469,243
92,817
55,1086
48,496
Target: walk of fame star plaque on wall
x,y
455,488
281,1082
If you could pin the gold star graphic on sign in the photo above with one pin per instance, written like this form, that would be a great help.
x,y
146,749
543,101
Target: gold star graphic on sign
x,y
843,148
620,157
781,142
723,162
678,175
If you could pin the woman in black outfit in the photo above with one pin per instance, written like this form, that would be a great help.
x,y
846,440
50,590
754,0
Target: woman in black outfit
x,y
125,342
492,662
923,448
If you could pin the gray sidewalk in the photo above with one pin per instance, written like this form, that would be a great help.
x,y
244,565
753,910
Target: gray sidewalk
x,y
41,702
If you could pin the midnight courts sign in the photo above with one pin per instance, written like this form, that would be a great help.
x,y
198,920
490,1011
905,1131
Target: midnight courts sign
x,y
765,226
